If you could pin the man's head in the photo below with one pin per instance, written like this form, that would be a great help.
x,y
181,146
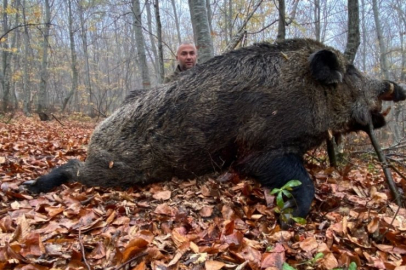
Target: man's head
x,y
186,55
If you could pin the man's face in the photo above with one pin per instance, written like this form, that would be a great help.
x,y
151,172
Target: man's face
x,y
186,56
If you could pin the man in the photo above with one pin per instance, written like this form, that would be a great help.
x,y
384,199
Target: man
x,y
186,57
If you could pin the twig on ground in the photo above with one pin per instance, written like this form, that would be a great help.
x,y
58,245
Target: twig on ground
x,y
397,171
384,165
57,119
82,248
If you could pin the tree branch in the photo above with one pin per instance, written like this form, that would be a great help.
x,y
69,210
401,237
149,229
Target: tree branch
x,y
241,31
384,164
18,26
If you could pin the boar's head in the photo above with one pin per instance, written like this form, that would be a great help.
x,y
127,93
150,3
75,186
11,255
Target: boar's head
x,y
330,69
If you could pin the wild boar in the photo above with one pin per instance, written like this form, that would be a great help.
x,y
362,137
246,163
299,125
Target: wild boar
x,y
257,109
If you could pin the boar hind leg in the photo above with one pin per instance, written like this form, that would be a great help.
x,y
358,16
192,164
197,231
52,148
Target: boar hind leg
x,y
276,171
58,176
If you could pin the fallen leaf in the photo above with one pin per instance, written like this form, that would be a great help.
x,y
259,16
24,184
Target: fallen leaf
x,y
274,258
309,244
213,265
206,211
162,195
329,261
165,209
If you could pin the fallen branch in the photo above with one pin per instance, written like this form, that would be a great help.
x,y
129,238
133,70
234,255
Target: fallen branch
x,y
384,164
400,163
82,248
397,171
57,119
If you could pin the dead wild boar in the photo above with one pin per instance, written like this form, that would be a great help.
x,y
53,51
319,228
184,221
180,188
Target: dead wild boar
x,y
257,109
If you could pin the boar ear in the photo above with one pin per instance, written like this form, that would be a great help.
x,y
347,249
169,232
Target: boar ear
x,y
325,67
393,92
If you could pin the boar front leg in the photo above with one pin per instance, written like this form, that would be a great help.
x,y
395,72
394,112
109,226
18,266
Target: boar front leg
x,y
275,171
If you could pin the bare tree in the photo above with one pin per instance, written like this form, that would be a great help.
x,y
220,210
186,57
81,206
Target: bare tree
x,y
353,36
317,19
83,34
402,33
282,21
353,41
209,15
364,37
5,73
42,94
226,20
74,69
152,37
176,21
229,24
383,59
204,42
160,48
14,61
26,64
142,59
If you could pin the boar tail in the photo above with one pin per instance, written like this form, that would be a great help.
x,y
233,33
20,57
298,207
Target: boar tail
x,y
68,172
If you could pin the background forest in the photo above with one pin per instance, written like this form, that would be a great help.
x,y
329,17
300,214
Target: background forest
x,y
86,55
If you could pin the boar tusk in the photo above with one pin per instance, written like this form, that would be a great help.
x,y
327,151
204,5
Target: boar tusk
x,y
391,88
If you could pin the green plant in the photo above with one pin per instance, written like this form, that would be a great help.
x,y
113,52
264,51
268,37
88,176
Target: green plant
x,y
286,266
312,262
283,207
352,266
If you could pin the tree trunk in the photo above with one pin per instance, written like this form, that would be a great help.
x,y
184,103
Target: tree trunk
x,y
353,41
402,34
176,20
142,59
353,36
5,74
160,47
364,38
74,85
209,16
225,21
383,53
383,59
152,38
202,35
230,19
14,59
43,95
83,34
192,15
317,19
281,25
26,64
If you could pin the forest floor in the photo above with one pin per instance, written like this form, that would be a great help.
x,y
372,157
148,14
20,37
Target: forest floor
x,y
217,222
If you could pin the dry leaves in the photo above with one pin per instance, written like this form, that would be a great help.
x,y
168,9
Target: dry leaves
x,y
206,223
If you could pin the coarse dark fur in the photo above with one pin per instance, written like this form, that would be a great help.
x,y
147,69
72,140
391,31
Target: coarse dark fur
x,y
257,109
